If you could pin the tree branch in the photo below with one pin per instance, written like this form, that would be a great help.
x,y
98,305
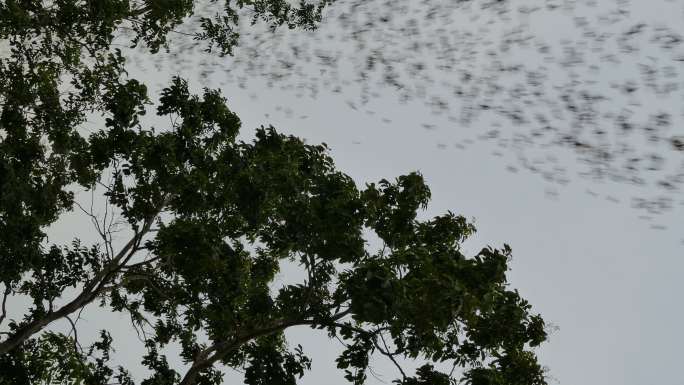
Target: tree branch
x,y
4,303
91,290
206,359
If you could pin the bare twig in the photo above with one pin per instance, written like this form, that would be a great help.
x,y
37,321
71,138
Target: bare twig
x,y
94,220
453,367
77,345
142,263
386,352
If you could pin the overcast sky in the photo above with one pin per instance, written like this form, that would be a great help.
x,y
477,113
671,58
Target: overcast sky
x,y
590,266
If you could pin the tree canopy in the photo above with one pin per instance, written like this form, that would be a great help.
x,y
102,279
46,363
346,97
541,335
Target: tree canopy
x,y
209,220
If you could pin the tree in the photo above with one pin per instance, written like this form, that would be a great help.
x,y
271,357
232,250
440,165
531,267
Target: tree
x,y
211,219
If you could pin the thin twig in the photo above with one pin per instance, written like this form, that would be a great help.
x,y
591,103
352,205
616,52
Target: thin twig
x,y
143,263
387,353
453,367
77,345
